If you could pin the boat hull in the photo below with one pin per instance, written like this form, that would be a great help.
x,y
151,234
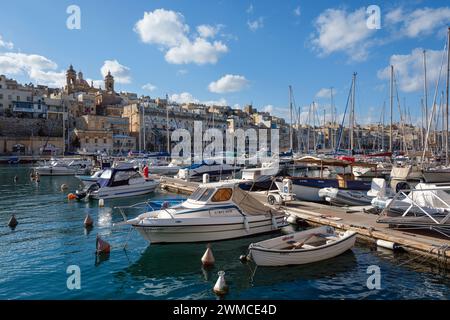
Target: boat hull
x,y
172,232
272,258
123,191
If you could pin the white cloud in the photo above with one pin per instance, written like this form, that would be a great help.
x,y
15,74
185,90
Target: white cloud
x,y
5,44
168,30
163,27
297,11
120,72
38,68
325,93
208,31
250,8
96,83
256,24
228,83
341,31
420,22
199,51
186,97
149,87
182,72
408,69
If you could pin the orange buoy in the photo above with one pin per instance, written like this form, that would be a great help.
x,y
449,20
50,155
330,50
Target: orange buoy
x,y
71,196
102,246
208,257
221,287
88,222
13,222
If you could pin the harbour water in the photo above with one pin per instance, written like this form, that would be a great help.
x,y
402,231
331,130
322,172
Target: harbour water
x,y
50,237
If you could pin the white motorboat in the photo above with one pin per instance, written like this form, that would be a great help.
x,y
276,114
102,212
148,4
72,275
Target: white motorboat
x,y
215,211
213,168
65,167
342,197
118,183
302,247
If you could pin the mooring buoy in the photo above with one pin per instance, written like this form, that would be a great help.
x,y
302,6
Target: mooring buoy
x,y
101,203
102,246
88,222
16,178
208,257
13,222
221,287
64,187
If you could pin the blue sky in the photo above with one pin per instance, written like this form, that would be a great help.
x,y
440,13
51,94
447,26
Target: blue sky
x,y
263,46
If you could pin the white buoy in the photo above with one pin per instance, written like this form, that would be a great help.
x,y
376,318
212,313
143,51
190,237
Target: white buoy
x,y
64,187
101,202
208,257
16,178
221,287
388,245
205,178
292,219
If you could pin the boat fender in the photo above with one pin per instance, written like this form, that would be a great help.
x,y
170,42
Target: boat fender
x,y
101,203
274,223
246,225
71,196
388,245
208,257
88,222
221,287
13,222
243,258
102,246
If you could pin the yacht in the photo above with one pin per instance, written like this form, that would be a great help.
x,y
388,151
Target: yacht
x,y
215,211
65,167
118,183
213,168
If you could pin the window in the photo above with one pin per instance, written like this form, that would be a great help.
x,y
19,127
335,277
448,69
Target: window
x,y
1,95
18,98
206,195
87,140
96,140
197,194
104,141
222,195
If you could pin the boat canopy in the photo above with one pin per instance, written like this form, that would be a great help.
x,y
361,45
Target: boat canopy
x,y
333,162
117,177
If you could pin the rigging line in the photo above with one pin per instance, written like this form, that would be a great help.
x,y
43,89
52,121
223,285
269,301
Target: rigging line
x,y
338,144
438,80
402,122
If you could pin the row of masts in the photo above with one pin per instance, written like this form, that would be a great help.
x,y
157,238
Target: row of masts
x,y
426,123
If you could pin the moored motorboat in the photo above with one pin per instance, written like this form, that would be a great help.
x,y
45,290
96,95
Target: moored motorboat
x,y
64,167
118,183
215,211
303,247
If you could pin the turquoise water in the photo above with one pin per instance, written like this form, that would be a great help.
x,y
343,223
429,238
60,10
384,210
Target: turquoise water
x,y
51,236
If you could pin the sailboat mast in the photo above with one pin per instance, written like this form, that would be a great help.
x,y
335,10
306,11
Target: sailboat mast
x,y
391,104
425,87
382,126
446,105
333,143
290,123
167,124
352,114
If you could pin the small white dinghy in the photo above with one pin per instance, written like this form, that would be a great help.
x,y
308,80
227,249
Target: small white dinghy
x,y
302,247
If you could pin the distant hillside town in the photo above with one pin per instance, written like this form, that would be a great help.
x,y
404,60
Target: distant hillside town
x,y
81,118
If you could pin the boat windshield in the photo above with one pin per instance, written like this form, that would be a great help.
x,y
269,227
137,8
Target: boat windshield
x,y
197,194
106,174
202,194
222,195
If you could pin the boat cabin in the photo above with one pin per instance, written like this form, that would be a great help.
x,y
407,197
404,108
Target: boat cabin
x,y
120,177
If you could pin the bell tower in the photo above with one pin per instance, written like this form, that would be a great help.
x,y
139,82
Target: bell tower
x,y
109,82
71,78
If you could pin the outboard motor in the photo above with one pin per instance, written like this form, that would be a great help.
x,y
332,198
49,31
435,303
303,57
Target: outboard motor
x,y
81,194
